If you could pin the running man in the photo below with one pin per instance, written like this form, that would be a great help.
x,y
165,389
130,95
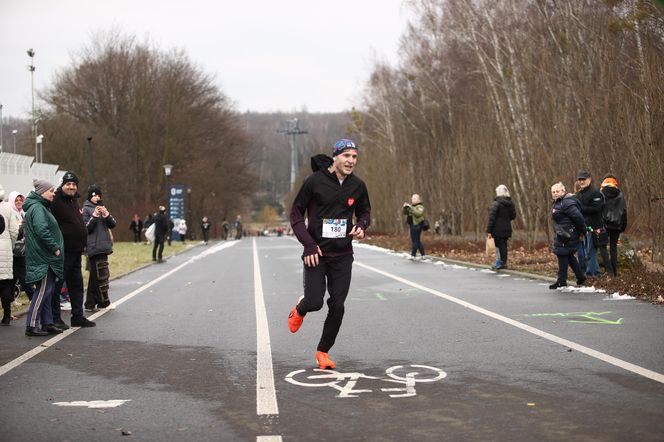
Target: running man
x,y
330,197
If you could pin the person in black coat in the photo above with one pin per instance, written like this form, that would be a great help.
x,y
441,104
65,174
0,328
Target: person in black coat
x,y
499,228
136,227
592,204
160,231
568,226
614,216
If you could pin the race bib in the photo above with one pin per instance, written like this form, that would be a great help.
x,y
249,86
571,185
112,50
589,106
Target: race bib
x,y
334,228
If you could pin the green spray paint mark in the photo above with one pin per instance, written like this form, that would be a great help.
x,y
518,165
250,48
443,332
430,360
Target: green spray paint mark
x,y
587,317
381,297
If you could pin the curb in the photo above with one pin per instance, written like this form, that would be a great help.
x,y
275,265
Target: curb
x,y
484,266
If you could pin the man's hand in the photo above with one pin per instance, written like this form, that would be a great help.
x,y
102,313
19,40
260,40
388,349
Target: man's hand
x,y
312,260
357,232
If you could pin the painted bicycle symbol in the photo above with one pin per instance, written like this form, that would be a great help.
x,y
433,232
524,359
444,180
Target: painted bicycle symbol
x,y
345,383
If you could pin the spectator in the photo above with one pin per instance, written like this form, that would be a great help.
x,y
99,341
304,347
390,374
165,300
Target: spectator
x,y
171,226
68,214
592,203
414,217
225,228
182,230
7,240
568,226
43,256
238,227
205,228
614,216
149,220
160,232
136,227
16,201
98,221
499,228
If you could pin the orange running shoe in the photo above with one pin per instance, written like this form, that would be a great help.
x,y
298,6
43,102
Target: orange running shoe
x,y
324,361
294,318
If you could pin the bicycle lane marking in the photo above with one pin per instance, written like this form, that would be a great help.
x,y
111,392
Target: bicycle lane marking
x,y
641,371
54,340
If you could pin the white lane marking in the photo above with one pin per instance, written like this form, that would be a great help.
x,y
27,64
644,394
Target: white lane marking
x,y
93,404
268,439
266,394
553,338
54,340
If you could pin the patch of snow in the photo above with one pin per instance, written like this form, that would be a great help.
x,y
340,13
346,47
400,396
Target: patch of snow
x,y
618,297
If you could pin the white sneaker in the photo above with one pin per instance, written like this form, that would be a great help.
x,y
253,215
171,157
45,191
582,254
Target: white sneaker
x,y
65,306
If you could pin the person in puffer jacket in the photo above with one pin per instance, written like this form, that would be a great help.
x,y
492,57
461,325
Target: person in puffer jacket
x,y
7,240
568,226
614,216
499,226
98,222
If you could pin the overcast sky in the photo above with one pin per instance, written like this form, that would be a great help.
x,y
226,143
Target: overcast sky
x,y
266,55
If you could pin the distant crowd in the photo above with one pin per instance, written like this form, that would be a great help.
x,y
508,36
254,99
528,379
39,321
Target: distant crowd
x,y
584,223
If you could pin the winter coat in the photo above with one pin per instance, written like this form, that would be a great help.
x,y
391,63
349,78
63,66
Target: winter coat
x,y
614,214
501,214
136,226
160,224
65,209
322,197
99,235
42,239
592,203
416,211
7,240
566,213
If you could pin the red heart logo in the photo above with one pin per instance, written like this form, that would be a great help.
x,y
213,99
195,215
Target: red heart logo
x,y
351,201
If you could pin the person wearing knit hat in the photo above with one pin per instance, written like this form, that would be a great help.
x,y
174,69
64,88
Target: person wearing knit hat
x,y
69,177
614,216
67,212
7,240
44,257
98,222
41,186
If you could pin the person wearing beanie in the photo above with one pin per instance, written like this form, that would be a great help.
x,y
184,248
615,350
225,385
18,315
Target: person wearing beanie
x,y
98,222
43,257
331,198
592,204
7,239
614,216
68,214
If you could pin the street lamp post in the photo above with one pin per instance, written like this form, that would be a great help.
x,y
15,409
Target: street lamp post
x,y
14,132
40,140
31,68
168,168
91,161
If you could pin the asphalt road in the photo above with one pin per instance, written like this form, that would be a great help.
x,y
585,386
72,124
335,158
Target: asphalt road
x,y
198,349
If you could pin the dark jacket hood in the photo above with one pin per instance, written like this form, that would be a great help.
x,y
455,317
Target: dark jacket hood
x,y
320,161
34,198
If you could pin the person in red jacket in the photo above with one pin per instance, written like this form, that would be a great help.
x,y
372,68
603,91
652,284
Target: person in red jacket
x,y
330,197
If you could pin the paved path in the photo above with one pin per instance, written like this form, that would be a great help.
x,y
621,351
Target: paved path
x,y
198,349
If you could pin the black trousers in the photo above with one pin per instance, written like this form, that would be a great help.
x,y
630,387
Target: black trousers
x,y
415,234
614,236
98,282
501,245
158,244
6,296
563,262
332,273
137,236
73,277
